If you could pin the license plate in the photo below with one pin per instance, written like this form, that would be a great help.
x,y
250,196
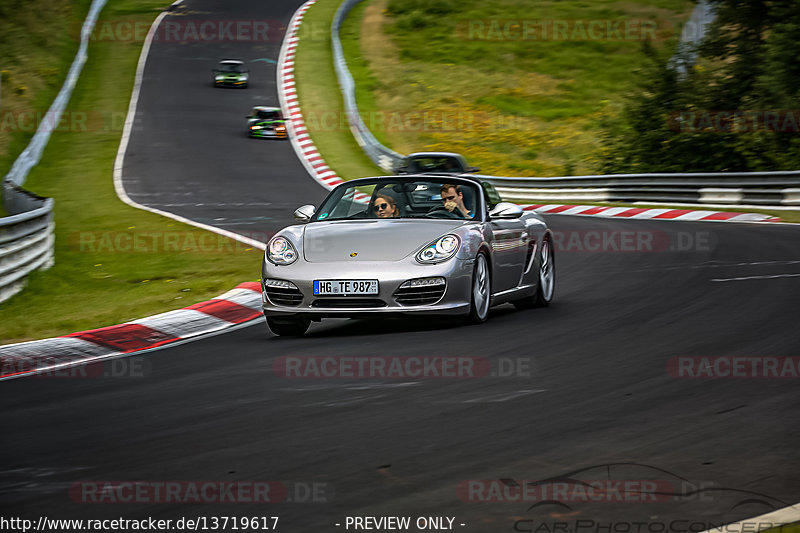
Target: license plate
x,y
345,287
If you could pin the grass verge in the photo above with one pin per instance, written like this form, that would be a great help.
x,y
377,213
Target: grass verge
x,y
38,41
113,263
786,528
459,76
320,99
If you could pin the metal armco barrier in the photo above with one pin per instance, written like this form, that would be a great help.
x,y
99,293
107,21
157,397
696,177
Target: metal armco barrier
x,y
26,238
734,188
382,156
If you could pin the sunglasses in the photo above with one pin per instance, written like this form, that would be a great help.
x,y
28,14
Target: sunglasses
x,y
378,207
449,197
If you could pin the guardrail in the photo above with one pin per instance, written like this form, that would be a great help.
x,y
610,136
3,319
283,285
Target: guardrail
x,y
26,238
384,157
735,188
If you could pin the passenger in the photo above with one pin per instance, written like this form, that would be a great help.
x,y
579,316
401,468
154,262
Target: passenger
x,y
453,199
384,206
451,166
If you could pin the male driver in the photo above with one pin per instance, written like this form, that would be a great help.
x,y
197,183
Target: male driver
x,y
453,199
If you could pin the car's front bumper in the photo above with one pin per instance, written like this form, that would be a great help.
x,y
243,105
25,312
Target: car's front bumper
x,y
268,134
230,83
454,301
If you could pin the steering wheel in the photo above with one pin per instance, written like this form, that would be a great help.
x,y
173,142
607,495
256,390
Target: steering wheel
x,y
441,211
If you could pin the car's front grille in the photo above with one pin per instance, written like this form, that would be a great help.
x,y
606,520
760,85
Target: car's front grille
x,y
344,303
281,296
424,295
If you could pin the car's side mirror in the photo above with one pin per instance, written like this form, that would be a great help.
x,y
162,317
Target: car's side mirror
x,y
506,210
304,213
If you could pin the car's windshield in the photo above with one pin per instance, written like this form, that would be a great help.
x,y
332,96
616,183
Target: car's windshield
x,y
402,198
231,67
268,115
434,164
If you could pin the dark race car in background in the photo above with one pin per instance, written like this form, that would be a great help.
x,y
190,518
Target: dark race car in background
x,y
231,73
266,122
435,163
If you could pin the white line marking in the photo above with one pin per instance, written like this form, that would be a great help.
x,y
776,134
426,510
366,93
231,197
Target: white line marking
x,y
787,515
774,276
123,146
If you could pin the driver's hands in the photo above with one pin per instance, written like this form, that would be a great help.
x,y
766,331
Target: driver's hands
x,y
450,205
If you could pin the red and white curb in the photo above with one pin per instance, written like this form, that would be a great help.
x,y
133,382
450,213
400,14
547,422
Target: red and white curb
x,y
237,306
648,213
287,94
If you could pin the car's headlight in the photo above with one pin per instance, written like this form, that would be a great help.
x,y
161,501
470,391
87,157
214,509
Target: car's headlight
x,y
255,127
220,77
439,250
280,251
279,284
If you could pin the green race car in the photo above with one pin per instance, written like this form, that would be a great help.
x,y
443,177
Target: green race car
x,y
231,73
266,122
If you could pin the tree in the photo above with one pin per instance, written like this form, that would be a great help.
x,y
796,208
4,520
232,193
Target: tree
x,y
736,110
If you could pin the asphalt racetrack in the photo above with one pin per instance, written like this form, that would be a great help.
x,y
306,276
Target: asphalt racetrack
x,y
602,392
189,153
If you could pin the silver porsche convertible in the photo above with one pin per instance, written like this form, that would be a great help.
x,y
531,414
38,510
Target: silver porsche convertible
x,y
406,245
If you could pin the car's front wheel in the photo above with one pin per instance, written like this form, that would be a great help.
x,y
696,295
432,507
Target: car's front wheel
x,y
288,327
547,274
547,279
481,290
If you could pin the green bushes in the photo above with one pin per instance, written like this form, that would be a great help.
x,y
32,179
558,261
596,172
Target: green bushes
x,y
735,110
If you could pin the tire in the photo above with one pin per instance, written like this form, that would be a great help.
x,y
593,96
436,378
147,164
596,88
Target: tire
x,y
288,327
481,290
545,287
547,274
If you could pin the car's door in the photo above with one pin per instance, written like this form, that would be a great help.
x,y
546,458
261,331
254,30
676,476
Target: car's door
x,y
509,250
